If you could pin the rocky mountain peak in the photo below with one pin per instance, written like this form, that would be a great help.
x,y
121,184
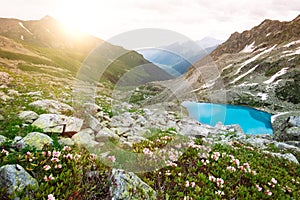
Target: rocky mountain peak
x,y
265,35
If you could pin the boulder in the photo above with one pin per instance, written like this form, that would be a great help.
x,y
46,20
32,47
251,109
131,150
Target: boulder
x,y
105,134
288,156
53,106
193,130
37,140
94,123
2,139
258,142
294,121
53,123
84,138
28,116
66,142
293,133
15,178
128,186
19,142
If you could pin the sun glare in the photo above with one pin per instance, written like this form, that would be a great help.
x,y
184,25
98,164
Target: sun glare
x,y
79,15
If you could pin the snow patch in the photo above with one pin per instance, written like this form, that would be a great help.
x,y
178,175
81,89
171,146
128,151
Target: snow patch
x,y
22,37
245,74
254,58
248,48
268,34
296,52
280,73
22,25
273,117
292,43
228,66
248,84
264,96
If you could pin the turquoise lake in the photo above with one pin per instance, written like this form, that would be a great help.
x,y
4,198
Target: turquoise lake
x,y
252,121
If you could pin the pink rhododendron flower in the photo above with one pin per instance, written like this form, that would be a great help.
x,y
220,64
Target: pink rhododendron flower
x,y
55,160
49,178
236,161
187,184
69,156
212,178
273,180
67,148
51,197
46,167
4,152
220,182
112,159
193,184
56,154
230,168
147,151
59,166
259,188
268,192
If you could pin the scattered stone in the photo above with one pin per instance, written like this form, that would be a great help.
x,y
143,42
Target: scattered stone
x,y
28,116
15,178
53,123
37,140
258,142
293,133
1,118
2,139
38,93
288,156
19,142
84,139
128,186
105,134
66,142
53,106
94,123
4,97
13,93
294,121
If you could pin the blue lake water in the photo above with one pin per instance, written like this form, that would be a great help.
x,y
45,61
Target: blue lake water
x,y
252,121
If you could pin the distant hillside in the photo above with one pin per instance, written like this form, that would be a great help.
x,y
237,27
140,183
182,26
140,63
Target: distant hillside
x,y
45,47
258,67
178,57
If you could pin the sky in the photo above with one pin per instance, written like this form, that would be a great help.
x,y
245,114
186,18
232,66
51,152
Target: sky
x,y
193,18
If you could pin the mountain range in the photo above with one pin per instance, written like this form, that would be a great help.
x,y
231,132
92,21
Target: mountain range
x,y
258,67
47,49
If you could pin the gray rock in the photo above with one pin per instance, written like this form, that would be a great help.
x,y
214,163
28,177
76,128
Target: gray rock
x,y
294,143
135,139
192,130
128,186
124,120
2,139
258,142
53,106
284,146
294,121
66,142
38,93
84,139
288,156
105,134
19,142
293,133
37,140
49,122
94,123
28,116
15,178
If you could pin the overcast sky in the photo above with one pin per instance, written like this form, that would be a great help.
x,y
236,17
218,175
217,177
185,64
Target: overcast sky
x,y
193,18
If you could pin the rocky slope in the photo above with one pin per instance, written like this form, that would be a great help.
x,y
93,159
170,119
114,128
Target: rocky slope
x,y
45,47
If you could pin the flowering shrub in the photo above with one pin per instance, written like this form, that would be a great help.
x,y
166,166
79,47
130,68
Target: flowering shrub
x,y
62,173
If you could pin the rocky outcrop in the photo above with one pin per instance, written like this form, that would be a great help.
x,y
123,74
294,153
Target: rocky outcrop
x,y
37,140
15,178
5,79
54,123
53,106
128,186
28,116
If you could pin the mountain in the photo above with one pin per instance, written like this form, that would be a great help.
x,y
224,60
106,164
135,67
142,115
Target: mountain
x,y
178,57
207,42
258,68
46,48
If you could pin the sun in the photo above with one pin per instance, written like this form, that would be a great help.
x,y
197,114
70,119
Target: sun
x,y
79,15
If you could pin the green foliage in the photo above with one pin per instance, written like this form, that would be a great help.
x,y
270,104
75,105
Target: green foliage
x,y
64,172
